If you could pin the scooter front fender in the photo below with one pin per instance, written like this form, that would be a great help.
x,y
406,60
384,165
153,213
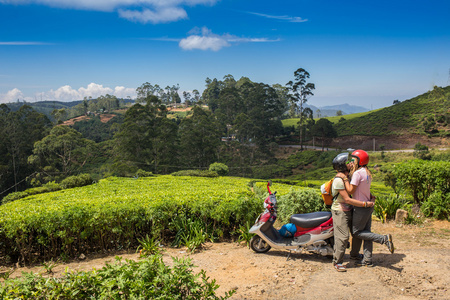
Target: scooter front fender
x,y
256,228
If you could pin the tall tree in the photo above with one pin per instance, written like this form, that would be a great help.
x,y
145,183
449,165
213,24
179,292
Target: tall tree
x,y
211,93
146,90
61,153
300,91
324,129
19,130
199,139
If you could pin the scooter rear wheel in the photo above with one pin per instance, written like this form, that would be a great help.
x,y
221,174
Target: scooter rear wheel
x,y
259,245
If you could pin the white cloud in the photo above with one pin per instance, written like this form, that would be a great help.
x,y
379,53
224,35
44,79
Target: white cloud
x,y
17,43
11,96
64,93
160,15
144,11
281,18
67,93
123,92
214,43
94,90
204,39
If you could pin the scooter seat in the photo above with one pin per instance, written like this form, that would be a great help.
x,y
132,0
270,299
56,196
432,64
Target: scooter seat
x,y
310,220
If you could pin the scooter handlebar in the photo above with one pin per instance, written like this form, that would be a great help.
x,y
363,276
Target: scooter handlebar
x,y
268,188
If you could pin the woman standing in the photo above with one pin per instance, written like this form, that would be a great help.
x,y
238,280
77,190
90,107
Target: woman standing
x,y
341,210
359,187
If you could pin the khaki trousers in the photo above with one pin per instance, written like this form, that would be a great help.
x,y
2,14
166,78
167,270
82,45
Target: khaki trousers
x,y
341,223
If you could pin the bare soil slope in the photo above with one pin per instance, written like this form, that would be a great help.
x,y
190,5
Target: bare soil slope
x,y
419,268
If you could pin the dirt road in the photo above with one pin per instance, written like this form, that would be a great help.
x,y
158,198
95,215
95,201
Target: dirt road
x,y
419,268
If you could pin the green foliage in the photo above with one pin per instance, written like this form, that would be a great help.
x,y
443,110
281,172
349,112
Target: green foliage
x,y
196,173
115,212
76,181
49,266
19,130
243,233
142,173
148,246
386,207
219,168
299,202
423,178
437,206
146,279
48,187
421,152
323,129
122,169
190,233
199,139
96,130
415,115
64,151
308,164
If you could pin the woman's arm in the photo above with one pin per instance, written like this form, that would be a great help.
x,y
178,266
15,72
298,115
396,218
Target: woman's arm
x,y
350,188
354,202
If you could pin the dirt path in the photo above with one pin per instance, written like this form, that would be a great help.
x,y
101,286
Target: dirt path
x,y
419,269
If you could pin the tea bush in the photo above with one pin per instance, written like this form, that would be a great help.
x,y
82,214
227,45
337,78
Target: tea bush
x,y
146,279
197,173
437,206
76,181
299,202
48,187
115,212
219,168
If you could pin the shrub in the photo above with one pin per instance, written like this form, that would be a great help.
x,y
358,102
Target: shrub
x,y
122,169
386,207
116,212
198,173
146,279
423,178
48,187
437,206
299,202
219,168
142,173
76,181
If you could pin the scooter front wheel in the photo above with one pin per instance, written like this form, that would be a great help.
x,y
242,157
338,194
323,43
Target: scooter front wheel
x,y
259,245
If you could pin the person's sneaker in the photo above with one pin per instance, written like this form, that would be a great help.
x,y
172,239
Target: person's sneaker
x,y
340,267
359,257
389,243
364,264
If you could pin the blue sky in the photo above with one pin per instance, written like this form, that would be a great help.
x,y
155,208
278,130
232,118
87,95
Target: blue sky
x,y
366,53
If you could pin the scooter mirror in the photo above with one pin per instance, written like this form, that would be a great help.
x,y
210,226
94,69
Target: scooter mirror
x,y
269,183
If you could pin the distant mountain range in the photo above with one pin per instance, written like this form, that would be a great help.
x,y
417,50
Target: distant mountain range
x,y
331,110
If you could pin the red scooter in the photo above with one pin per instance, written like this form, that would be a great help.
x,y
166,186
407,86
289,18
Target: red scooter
x,y
312,232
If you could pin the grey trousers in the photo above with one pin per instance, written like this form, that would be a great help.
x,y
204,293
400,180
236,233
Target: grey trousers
x,y
361,231
341,223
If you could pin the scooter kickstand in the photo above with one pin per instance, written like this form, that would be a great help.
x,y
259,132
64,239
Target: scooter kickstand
x,y
289,255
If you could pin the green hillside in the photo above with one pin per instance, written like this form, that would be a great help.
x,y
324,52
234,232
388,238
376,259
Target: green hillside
x,y
45,107
334,119
425,114
428,113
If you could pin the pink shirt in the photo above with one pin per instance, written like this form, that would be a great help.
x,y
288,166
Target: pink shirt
x,y
362,180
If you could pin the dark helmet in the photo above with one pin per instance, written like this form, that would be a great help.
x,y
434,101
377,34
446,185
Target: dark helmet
x,y
340,162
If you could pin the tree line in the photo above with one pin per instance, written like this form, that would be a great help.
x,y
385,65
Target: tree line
x,y
233,122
